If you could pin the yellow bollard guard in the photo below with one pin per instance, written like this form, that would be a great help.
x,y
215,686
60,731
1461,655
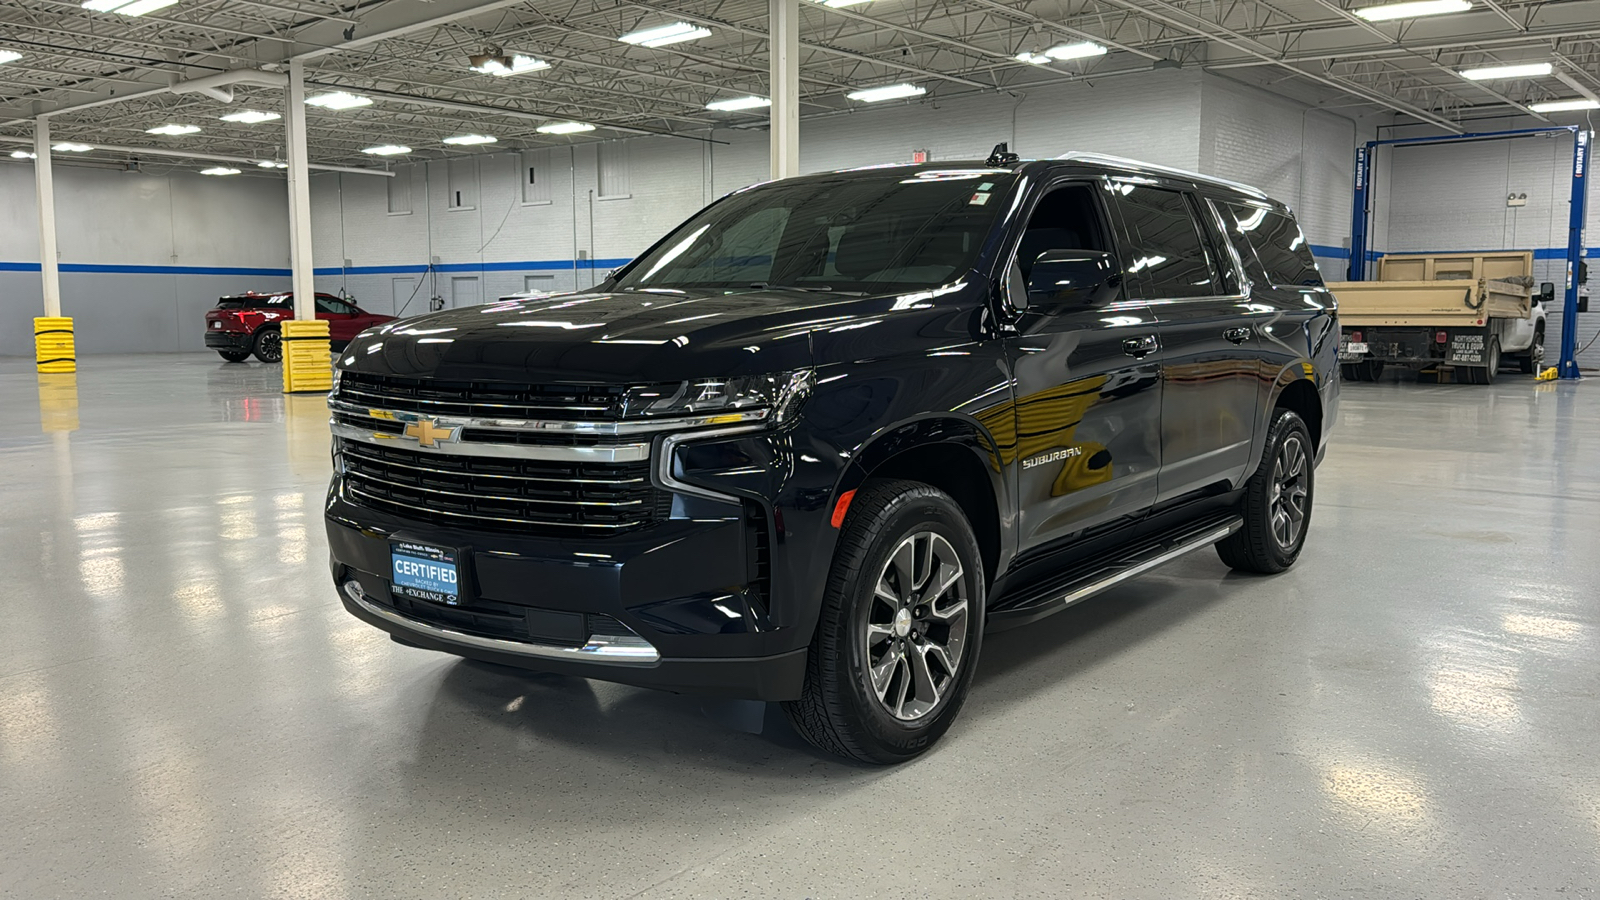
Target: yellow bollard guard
x,y
54,346
307,360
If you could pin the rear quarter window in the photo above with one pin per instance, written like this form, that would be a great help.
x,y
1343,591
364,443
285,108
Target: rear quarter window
x,y
1281,253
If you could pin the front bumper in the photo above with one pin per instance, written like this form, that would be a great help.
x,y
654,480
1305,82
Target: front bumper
x,y
235,341
682,588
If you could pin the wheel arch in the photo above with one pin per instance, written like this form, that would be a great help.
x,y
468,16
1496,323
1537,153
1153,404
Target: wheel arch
x,y
1301,396
955,455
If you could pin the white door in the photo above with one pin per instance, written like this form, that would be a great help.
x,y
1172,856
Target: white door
x,y
464,291
404,291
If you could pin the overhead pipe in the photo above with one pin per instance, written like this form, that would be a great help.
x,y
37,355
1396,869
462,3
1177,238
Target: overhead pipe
x,y
208,157
218,87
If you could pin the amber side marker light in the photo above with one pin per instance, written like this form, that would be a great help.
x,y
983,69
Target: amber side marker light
x,y
842,507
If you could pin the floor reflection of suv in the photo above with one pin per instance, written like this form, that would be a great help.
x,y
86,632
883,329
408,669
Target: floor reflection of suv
x,y
816,441
249,323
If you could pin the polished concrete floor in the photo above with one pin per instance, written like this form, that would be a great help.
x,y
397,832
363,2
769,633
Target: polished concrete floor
x,y
186,711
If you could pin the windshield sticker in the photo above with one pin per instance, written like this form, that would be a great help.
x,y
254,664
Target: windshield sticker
x,y
986,186
979,199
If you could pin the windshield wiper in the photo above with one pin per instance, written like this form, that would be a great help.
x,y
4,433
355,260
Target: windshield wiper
x,y
806,288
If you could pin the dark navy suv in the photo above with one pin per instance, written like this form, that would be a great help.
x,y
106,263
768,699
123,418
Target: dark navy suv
x,y
816,441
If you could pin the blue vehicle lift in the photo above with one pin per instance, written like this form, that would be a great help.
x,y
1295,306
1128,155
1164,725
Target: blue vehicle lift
x,y
1361,219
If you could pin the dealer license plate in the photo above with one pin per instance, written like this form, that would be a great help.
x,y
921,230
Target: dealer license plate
x,y
425,573
1354,347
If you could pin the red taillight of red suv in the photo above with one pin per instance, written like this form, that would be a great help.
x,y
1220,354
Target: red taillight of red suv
x,y
1355,337
232,320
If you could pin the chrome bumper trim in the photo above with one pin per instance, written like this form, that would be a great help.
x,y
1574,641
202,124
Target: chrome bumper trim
x,y
617,650
609,428
602,454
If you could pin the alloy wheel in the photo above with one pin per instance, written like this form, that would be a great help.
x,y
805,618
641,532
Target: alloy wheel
x,y
1287,505
917,626
272,346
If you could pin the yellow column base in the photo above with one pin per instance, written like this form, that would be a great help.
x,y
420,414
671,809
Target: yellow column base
x,y
307,360
54,346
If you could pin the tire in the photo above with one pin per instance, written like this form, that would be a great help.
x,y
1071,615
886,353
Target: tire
x,y
1369,370
234,355
269,345
878,636
1350,371
1485,373
1534,358
1283,484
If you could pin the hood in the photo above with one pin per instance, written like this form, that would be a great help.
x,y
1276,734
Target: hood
x,y
614,337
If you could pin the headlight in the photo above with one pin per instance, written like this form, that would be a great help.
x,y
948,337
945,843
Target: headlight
x,y
750,398
338,375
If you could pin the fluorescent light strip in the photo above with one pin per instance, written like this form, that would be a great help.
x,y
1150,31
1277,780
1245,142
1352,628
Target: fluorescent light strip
x,y
338,100
1033,59
1412,10
1565,105
251,117
272,164
9,56
172,130
388,150
887,92
1521,70
666,34
23,154
564,128
740,104
219,170
835,4
70,147
1080,50
127,7
519,65
469,140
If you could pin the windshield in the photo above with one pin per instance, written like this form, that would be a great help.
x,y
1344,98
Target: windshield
x,y
850,233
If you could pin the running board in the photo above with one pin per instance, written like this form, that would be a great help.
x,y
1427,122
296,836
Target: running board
x,y
1056,592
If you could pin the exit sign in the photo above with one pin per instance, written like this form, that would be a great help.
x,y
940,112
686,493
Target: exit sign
x,y
919,156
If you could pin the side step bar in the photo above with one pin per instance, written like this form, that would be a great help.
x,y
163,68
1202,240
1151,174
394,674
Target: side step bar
x,y
1056,592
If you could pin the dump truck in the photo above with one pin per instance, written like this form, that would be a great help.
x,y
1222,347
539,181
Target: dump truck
x,y
1455,313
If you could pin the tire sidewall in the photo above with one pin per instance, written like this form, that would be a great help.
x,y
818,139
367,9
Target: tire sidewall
x,y
1287,424
923,510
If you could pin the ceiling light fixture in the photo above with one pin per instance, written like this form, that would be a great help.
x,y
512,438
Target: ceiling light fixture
x,y
70,147
251,117
1521,70
1035,59
564,128
338,100
887,92
835,4
1565,105
468,140
127,7
219,170
1412,10
666,34
739,104
272,164
172,130
9,56
498,67
1080,50
23,154
387,150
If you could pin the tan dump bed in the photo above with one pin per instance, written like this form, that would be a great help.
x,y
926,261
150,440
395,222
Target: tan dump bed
x,y
1459,289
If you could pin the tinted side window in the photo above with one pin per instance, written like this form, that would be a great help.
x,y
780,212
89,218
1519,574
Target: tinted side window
x,y
1280,247
330,305
1164,255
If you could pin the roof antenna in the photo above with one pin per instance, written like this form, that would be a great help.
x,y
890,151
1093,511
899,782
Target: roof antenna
x,y
1000,156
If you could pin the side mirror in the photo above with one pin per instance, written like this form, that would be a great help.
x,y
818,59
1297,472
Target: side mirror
x,y
1073,278
1547,292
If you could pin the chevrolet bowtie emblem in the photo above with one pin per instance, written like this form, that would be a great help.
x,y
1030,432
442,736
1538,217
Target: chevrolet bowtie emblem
x,y
429,434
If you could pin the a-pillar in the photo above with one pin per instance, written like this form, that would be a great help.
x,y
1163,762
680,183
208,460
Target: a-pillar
x,y
784,39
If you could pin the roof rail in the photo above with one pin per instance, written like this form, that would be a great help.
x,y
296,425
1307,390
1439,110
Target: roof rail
x,y
1104,159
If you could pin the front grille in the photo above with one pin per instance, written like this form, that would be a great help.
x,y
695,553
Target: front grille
x,y
483,399
509,495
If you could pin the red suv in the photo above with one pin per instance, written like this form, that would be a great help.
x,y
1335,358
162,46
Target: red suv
x,y
248,323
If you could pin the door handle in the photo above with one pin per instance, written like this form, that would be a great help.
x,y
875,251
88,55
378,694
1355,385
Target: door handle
x,y
1140,347
1237,335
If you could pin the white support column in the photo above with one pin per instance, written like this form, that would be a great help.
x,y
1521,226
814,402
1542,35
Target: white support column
x,y
784,41
300,259
45,179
